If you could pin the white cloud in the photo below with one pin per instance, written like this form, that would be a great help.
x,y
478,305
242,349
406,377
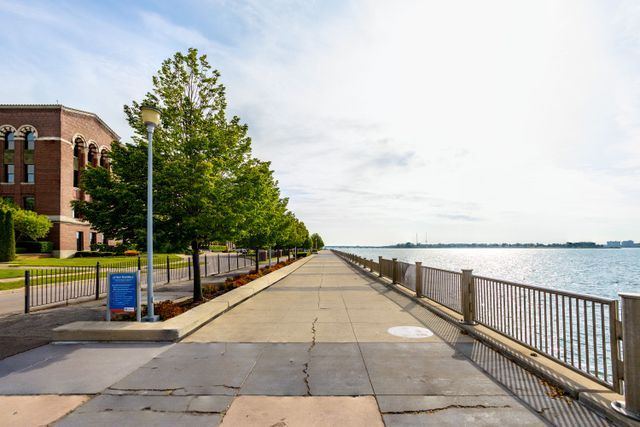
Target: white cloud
x,y
476,121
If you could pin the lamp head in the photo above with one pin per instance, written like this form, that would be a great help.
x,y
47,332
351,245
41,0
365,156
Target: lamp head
x,y
150,115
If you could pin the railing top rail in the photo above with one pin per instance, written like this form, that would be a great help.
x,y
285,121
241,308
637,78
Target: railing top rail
x,y
587,297
426,267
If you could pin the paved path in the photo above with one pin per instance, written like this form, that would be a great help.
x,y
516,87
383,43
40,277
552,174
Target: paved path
x,y
314,349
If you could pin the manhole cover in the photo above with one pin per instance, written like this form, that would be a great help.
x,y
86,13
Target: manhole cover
x,y
410,332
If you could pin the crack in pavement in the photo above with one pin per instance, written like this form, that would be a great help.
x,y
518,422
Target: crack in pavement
x,y
305,369
444,408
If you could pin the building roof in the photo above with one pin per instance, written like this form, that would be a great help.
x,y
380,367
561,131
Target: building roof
x,y
61,107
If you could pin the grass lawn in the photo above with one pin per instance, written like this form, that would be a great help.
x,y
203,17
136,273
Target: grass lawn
x,y
7,273
76,262
14,284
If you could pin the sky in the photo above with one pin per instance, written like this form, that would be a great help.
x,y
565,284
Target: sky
x,y
463,121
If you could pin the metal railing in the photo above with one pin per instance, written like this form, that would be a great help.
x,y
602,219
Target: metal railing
x,y
45,286
581,332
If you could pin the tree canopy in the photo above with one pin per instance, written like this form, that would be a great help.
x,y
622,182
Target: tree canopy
x,y
206,185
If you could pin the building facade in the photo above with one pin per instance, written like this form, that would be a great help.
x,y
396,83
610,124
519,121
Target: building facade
x,y
43,150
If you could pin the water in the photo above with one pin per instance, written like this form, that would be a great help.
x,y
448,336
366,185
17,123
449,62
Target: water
x,y
601,272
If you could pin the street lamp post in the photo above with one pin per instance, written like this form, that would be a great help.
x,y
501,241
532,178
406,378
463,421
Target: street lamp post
x,y
151,118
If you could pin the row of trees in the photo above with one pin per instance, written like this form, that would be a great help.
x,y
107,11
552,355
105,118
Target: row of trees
x,y
207,185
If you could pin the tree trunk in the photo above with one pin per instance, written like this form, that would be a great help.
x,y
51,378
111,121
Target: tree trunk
x,y
257,260
197,283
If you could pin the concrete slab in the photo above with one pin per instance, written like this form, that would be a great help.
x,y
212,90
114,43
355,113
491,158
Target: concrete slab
x,y
36,410
73,368
262,411
486,411
379,332
195,369
280,371
424,369
138,418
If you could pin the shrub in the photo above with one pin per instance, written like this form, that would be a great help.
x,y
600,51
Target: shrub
x,y
7,237
167,309
131,252
36,247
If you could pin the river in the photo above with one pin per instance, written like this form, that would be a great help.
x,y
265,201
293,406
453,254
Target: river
x,y
601,272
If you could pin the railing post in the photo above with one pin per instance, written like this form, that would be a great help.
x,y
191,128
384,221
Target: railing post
x,y
467,297
218,270
631,351
139,264
394,270
229,261
27,291
189,267
205,265
419,279
98,280
168,271
379,266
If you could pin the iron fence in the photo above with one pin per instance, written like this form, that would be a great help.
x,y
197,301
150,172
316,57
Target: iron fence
x,y
581,332
45,286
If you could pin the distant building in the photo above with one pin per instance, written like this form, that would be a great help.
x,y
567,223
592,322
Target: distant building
x,y
45,148
614,244
627,244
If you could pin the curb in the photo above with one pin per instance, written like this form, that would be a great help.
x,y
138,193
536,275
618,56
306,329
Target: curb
x,y
177,327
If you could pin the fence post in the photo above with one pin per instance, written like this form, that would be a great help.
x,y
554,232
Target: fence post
x,y
394,270
419,279
379,266
189,267
168,271
139,264
98,280
205,265
229,261
467,297
27,291
631,351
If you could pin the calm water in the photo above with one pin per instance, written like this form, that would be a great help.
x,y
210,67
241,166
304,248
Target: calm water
x,y
602,272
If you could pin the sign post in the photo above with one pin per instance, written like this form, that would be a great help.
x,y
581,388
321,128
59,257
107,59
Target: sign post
x,y
123,294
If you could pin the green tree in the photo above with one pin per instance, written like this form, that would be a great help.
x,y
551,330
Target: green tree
x,y
29,224
317,241
198,155
260,205
7,237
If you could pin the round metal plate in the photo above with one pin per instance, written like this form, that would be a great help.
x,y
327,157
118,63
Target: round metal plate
x,y
410,332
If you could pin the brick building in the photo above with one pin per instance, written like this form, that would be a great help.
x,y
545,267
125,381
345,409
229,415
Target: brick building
x,y
43,151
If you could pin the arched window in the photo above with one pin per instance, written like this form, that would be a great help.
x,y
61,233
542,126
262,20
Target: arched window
x,y
93,155
104,159
30,140
78,160
78,147
10,141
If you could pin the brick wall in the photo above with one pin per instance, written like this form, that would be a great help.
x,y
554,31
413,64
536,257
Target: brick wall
x,y
56,128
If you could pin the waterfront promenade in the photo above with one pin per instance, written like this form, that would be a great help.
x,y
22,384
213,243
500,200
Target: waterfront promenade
x,y
314,349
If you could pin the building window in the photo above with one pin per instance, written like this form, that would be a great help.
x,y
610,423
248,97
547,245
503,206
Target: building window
x,y
29,174
9,173
9,141
29,203
92,157
93,239
30,141
104,159
79,241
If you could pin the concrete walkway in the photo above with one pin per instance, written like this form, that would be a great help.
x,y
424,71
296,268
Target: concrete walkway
x,y
314,349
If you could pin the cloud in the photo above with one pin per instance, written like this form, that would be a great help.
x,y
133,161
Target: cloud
x,y
475,121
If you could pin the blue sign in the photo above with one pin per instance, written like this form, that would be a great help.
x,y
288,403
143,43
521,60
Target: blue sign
x,y
123,292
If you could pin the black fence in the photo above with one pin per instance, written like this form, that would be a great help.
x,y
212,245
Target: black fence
x,y
45,286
